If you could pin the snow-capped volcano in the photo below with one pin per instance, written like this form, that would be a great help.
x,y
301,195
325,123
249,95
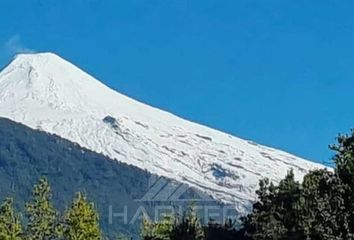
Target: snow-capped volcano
x,y
45,92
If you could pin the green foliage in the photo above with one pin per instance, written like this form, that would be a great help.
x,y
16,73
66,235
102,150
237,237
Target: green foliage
x,y
10,222
42,217
265,221
173,228
188,228
160,230
312,210
324,215
81,220
344,160
322,207
225,231
273,216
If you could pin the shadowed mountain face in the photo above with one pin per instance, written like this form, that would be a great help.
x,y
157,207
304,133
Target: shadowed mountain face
x,y
27,154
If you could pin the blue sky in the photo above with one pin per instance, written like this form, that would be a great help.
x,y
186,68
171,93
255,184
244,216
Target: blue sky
x,y
278,72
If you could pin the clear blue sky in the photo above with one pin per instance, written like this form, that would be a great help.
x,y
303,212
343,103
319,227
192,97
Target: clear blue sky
x,y
278,72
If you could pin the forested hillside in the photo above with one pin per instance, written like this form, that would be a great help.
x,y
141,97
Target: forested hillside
x,y
26,155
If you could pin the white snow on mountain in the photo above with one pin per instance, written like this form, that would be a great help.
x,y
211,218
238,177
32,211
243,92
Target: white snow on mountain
x,y
44,91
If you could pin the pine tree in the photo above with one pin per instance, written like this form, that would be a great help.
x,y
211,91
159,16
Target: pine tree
x,y
10,223
42,217
323,211
322,207
344,160
276,214
189,227
262,223
81,220
160,230
288,207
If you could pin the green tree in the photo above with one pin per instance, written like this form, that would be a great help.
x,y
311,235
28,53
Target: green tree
x,y
344,161
276,214
262,223
226,231
42,217
288,206
10,222
188,228
324,215
81,221
160,230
